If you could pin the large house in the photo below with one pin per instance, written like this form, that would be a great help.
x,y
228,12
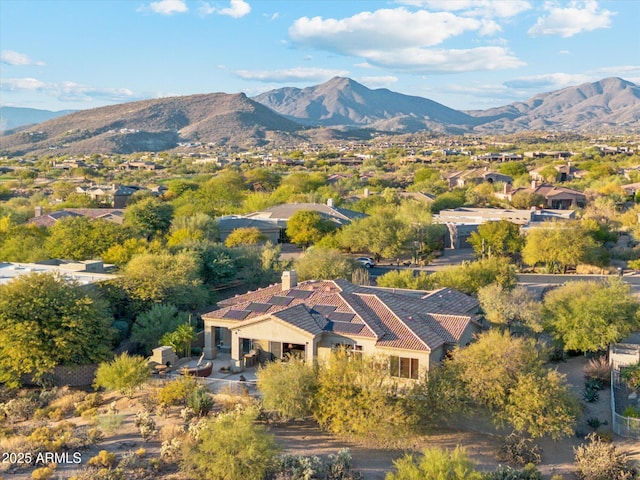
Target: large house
x,y
41,219
556,198
310,319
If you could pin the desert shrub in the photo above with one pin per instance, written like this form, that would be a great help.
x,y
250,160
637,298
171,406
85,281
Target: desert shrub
x,y
176,392
18,409
598,460
631,375
146,424
598,368
170,431
43,473
110,422
435,464
296,400
89,413
104,459
298,467
631,412
529,472
90,401
339,466
230,397
231,447
518,450
590,394
124,374
594,384
171,450
594,422
200,401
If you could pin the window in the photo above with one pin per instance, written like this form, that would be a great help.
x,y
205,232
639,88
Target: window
x,y
404,367
349,348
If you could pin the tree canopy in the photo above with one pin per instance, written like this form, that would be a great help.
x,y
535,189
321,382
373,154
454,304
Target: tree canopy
x,y
48,321
588,316
306,227
496,239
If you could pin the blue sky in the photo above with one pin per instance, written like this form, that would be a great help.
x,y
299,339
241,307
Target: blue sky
x,y
466,54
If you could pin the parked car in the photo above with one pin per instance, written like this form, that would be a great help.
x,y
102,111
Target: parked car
x,y
366,262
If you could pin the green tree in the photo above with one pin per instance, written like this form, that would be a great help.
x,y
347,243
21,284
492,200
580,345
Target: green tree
x,y
295,401
381,234
149,217
22,243
406,279
356,397
588,316
48,321
151,325
193,228
164,278
245,236
453,199
513,309
631,376
124,374
231,447
326,264
469,277
558,246
507,376
523,199
435,464
513,169
306,227
83,238
496,238
180,339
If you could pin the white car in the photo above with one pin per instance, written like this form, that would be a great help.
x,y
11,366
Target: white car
x,y
366,262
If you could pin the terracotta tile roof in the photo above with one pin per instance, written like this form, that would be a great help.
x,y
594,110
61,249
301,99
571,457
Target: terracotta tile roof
x,y
395,320
49,219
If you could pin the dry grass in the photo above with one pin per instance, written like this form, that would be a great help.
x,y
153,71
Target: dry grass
x,y
171,431
598,368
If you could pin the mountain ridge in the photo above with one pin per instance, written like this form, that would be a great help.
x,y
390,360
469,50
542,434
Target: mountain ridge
x,y
339,108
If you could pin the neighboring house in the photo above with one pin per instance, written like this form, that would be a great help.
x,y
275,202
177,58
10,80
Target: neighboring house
x,y
84,273
421,197
462,222
414,329
139,165
556,198
566,173
269,229
281,214
475,177
113,195
41,219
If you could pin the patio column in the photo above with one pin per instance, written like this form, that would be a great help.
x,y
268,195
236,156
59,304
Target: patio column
x,y
236,351
210,350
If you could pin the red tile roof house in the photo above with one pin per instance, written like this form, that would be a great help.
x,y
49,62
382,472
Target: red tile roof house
x,y
414,329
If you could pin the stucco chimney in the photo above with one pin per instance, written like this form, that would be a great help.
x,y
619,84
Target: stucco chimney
x,y
366,192
507,188
330,202
534,184
289,279
38,211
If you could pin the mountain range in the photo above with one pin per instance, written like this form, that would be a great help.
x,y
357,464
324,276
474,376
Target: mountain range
x,y
15,117
338,108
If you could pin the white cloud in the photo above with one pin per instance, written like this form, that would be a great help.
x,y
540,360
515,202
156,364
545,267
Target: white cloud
x,y
421,60
169,7
483,8
378,82
237,9
565,52
383,29
400,39
67,91
297,74
548,81
578,17
9,57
